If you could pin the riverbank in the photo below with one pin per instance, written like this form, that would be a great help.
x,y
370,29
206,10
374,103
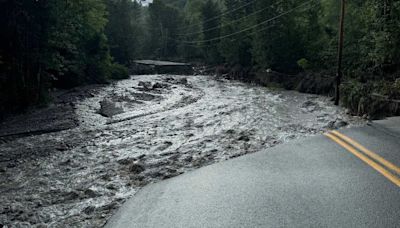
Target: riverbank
x,y
143,130
371,96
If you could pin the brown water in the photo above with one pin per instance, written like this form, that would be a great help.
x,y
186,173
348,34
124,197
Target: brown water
x,y
183,123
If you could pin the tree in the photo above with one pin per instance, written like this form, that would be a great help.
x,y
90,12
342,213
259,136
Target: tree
x,y
123,29
22,40
43,41
78,49
191,29
211,30
164,21
237,48
281,46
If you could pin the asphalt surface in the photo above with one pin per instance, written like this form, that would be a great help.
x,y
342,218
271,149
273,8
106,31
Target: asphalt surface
x,y
307,183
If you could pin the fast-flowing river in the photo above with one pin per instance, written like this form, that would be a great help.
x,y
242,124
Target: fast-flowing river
x,y
141,130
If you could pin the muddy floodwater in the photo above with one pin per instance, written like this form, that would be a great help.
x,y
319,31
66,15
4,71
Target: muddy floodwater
x,y
120,137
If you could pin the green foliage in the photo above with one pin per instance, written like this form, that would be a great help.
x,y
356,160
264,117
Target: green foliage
x,y
236,49
357,96
396,87
78,50
164,21
210,30
22,41
118,72
123,29
303,63
68,43
372,34
371,98
55,43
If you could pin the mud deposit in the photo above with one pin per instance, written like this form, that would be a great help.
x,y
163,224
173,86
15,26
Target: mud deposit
x,y
144,130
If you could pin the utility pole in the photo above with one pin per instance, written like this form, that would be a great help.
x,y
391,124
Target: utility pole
x,y
162,41
340,53
165,43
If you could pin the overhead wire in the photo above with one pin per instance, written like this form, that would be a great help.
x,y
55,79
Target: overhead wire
x,y
227,24
253,32
247,29
218,16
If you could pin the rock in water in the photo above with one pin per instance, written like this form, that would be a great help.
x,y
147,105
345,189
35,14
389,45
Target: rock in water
x,y
109,109
158,85
145,85
337,124
340,124
136,168
183,81
244,138
89,210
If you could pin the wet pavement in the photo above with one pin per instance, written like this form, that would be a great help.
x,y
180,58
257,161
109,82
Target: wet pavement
x,y
143,130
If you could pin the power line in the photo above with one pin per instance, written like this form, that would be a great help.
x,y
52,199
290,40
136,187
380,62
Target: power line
x,y
247,29
253,32
219,16
225,25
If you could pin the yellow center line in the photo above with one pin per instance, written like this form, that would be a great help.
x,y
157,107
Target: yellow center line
x,y
374,165
371,154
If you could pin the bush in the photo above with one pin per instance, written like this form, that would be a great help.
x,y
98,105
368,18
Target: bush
x,y
356,96
371,98
303,63
118,71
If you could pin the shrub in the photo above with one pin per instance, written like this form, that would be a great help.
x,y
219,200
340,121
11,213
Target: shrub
x,y
303,63
118,71
371,98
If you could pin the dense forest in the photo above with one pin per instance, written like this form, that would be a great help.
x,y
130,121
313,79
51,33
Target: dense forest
x,y
49,44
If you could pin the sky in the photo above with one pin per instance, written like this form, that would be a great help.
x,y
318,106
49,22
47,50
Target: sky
x,y
146,2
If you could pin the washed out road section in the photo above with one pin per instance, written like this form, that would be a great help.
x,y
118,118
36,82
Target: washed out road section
x,y
143,130
314,182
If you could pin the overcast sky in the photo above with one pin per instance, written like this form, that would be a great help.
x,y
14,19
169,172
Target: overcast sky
x,y
146,2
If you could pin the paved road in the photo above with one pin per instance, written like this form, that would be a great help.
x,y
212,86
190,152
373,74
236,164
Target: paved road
x,y
346,179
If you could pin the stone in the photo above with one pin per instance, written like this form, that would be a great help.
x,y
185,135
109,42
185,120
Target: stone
x,y
340,124
145,85
109,109
183,81
336,124
308,104
244,138
89,210
111,187
136,168
331,124
164,146
158,85
91,193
